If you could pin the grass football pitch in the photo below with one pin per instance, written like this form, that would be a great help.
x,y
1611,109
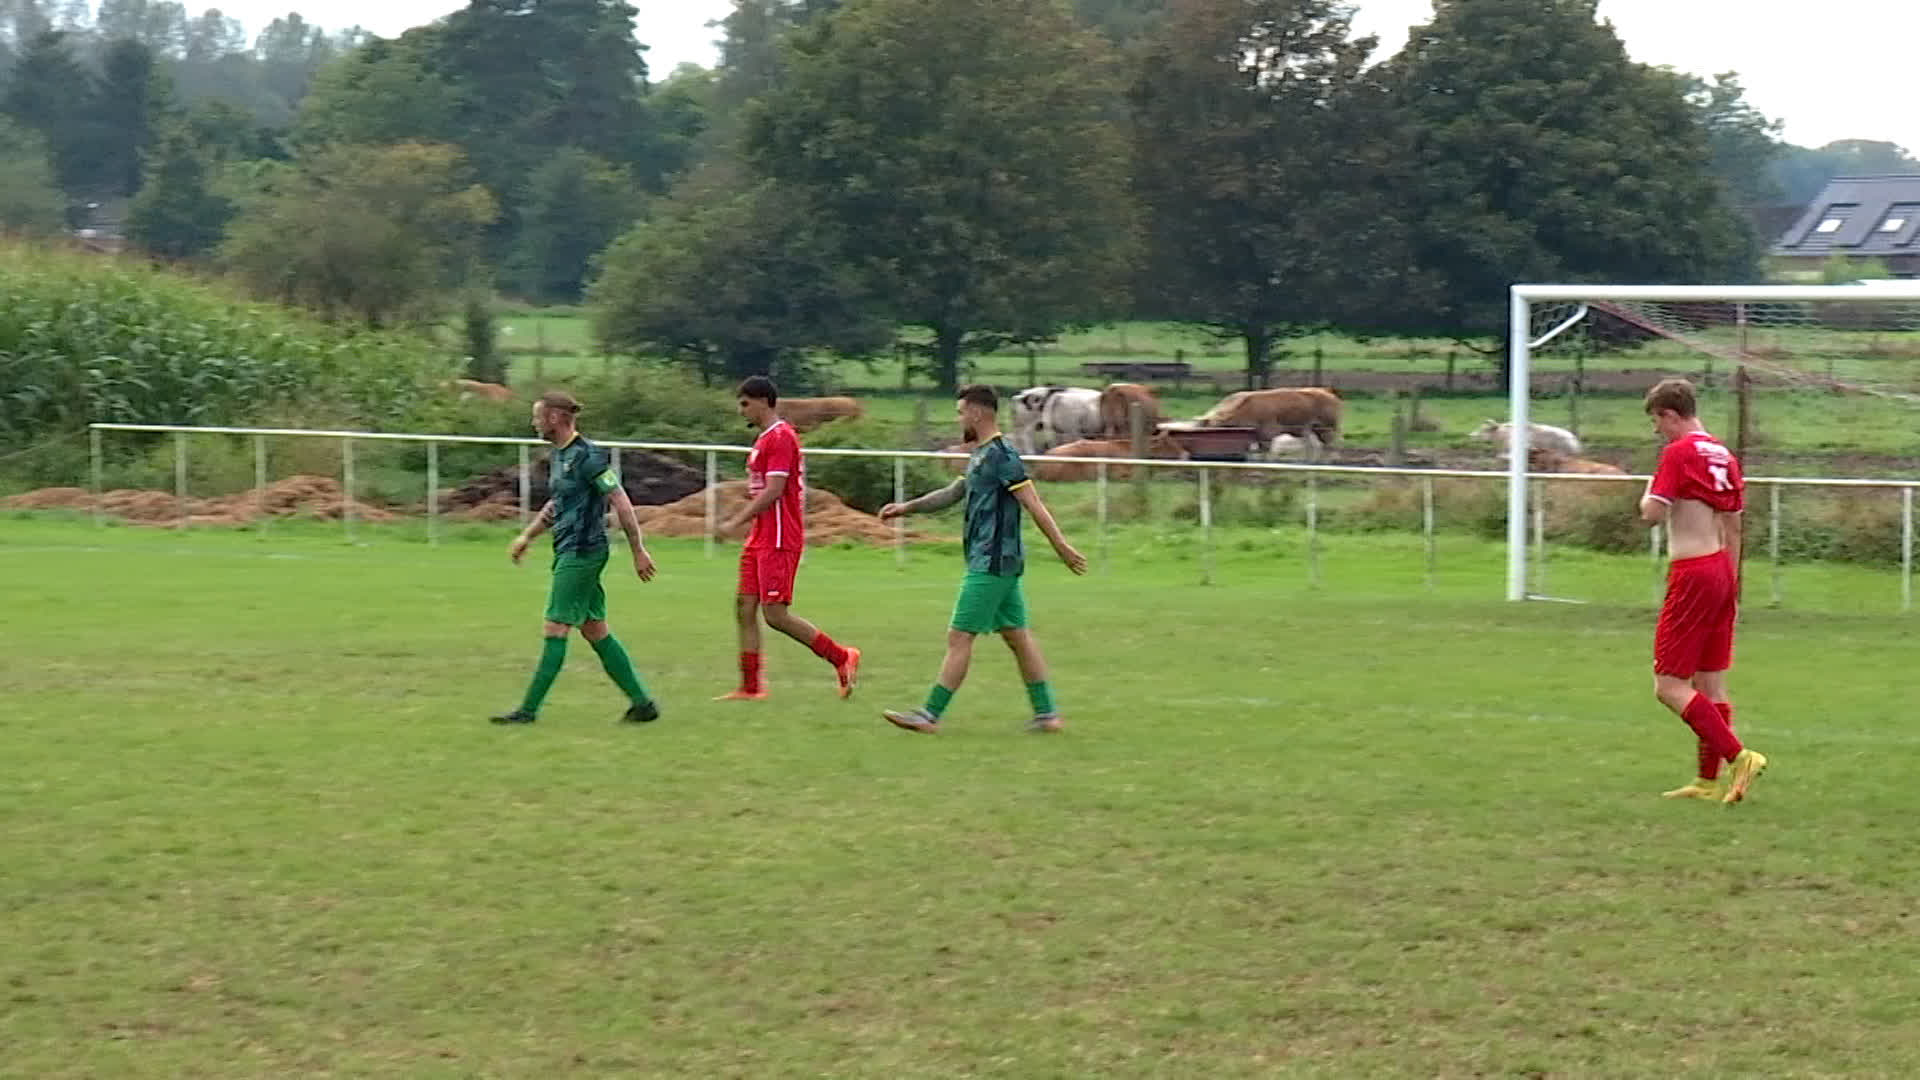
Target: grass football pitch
x,y
254,824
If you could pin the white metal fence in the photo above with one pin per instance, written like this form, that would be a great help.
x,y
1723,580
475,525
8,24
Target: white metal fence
x,y
1531,531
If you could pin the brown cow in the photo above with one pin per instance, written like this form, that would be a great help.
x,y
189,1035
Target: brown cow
x,y
1305,411
490,391
1548,461
1048,468
805,414
1116,408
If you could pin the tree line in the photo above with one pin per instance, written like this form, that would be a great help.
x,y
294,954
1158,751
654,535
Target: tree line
x,y
981,171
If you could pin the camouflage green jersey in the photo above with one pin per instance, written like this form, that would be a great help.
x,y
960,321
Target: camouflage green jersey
x,y
994,473
580,477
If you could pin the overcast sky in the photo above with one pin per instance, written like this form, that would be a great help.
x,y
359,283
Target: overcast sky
x,y
1810,66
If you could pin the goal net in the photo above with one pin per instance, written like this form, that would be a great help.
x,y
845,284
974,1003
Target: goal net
x,y
1816,385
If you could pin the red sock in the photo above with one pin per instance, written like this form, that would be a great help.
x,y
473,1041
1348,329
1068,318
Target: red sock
x,y
1710,761
1707,721
825,648
750,672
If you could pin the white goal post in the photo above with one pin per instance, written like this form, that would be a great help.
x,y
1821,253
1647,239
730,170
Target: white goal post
x,y
1622,302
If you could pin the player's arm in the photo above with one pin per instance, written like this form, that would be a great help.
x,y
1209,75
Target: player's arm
x,y
1730,526
540,523
928,503
1656,503
630,525
776,486
1030,499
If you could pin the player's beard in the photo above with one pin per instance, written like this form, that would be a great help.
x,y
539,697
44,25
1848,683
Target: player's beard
x,y
968,433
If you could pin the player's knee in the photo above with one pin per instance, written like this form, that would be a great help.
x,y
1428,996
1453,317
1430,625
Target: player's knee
x,y
556,629
595,629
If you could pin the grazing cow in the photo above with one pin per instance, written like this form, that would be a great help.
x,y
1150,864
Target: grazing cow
x,y
1300,412
1050,466
470,388
805,414
1550,461
1116,408
1047,416
1539,436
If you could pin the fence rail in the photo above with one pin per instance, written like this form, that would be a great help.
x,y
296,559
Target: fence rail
x,y
1533,522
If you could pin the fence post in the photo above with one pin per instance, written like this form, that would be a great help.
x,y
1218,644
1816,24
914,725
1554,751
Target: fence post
x,y
526,485
433,493
1313,529
1906,549
1206,526
180,476
346,499
713,498
1100,509
1773,538
260,479
900,523
1426,525
96,473
618,475
1137,423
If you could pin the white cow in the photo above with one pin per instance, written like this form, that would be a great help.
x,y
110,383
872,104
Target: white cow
x,y
1557,440
1048,416
1294,446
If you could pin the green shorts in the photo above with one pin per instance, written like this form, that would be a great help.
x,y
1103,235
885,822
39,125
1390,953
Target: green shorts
x,y
577,596
989,603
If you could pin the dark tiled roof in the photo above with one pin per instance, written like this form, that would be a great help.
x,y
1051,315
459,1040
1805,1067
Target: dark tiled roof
x,y
1865,216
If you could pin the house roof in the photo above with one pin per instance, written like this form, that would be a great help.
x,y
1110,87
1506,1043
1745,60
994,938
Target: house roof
x,y
1864,216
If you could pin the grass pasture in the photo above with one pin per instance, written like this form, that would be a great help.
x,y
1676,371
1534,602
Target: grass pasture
x,y
255,825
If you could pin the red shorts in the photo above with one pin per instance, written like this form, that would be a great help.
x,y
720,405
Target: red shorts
x,y
1696,623
768,574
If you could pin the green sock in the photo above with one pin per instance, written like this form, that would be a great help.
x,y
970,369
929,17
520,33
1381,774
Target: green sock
x,y
938,699
1041,695
620,668
553,654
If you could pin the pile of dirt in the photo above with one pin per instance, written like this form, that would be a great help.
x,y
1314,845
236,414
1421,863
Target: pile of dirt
x,y
650,480
316,497
829,520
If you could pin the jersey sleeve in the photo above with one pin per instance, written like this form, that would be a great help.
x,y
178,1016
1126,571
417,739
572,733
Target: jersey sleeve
x,y
1013,472
600,472
782,455
1670,479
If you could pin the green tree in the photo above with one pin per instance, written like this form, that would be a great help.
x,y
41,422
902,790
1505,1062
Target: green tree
x,y
50,93
982,190
179,214
1743,141
133,93
384,92
1544,153
30,200
1265,162
732,278
534,75
575,205
377,234
1802,173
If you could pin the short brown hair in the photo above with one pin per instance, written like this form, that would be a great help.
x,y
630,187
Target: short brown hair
x,y
560,401
760,388
980,394
1674,394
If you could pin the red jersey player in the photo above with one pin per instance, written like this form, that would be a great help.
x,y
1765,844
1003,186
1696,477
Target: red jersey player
x,y
776,491
1699,494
